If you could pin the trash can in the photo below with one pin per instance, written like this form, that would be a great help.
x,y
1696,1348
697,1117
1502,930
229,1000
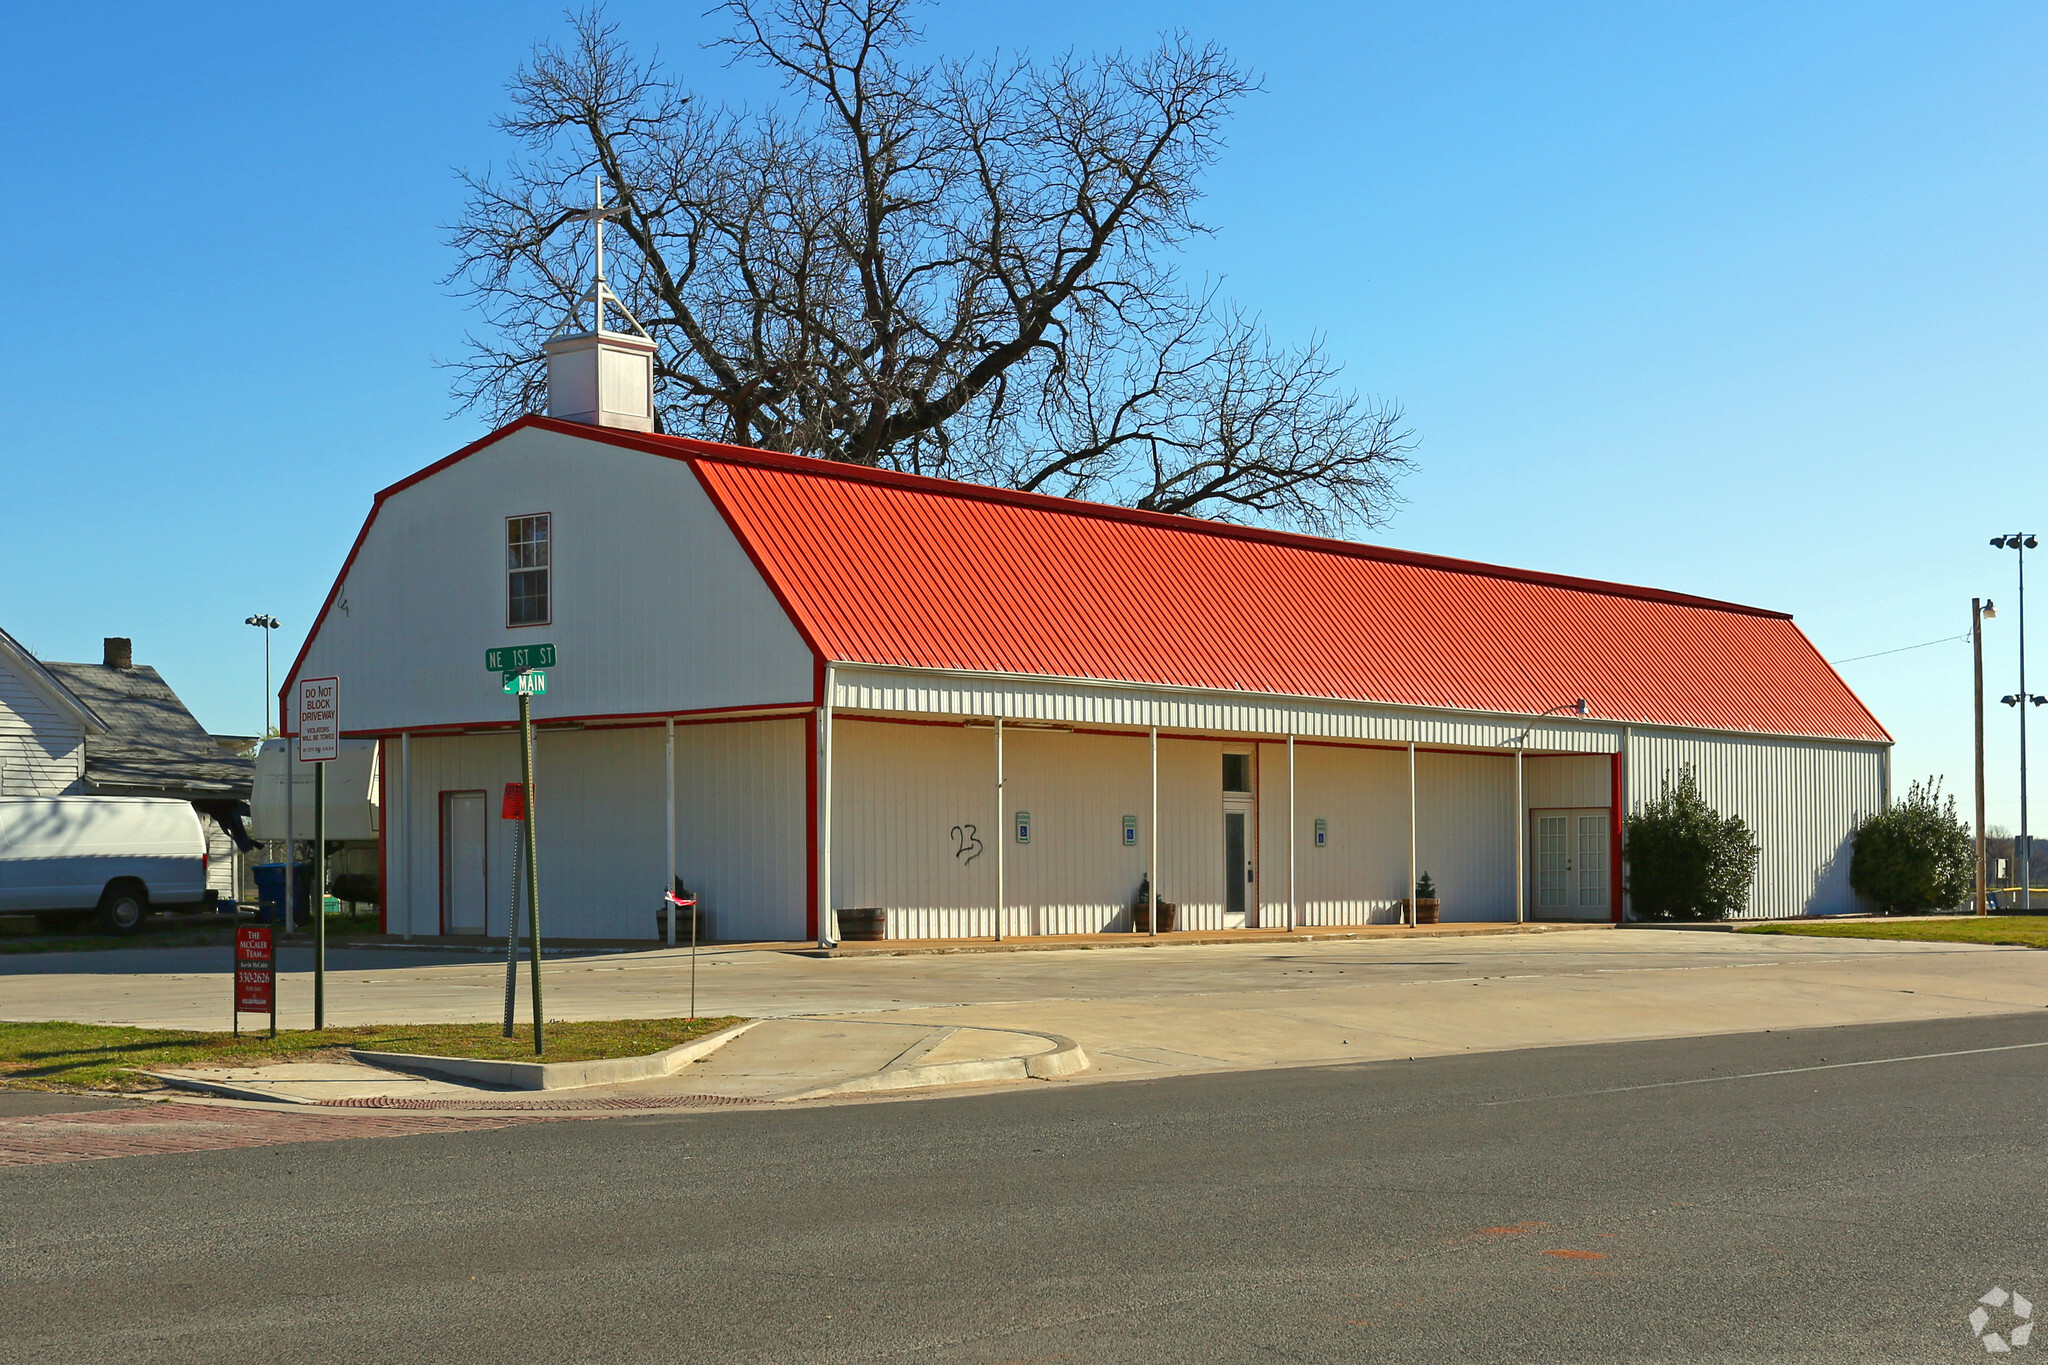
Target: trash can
x,y
270,892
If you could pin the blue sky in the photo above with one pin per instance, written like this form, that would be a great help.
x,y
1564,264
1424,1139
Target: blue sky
x,y
1744,300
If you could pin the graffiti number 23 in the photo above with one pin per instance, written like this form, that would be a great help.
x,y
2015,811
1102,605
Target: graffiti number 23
x,y
966,845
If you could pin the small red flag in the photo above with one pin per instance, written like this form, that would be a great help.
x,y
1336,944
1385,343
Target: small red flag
x,y
515,802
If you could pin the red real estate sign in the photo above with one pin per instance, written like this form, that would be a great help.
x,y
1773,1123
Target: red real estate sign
x,y
255,970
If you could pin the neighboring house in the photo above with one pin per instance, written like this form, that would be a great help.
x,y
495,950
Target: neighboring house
x,y
43,727
145,743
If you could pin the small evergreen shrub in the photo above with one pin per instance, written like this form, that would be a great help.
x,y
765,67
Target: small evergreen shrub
x,y
1686,861
1917,856
1425,890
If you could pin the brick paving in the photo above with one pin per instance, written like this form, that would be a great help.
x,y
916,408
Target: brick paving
x,y
161,1129
605,1102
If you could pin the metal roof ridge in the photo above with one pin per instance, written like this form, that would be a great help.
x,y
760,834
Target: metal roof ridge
x,y
693,448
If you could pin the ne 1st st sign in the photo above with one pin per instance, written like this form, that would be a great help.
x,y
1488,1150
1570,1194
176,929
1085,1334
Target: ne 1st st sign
x,y
519,658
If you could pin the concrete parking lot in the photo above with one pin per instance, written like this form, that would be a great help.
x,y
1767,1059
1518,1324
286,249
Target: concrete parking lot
x,y
1137,1011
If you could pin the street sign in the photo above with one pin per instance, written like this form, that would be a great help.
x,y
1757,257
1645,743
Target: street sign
x,y
319,720
519,658
514,807
530,684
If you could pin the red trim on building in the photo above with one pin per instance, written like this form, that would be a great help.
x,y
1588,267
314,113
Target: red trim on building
x,y
633,720
1616,801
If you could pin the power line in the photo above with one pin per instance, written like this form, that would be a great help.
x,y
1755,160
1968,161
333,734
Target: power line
x,y
1946,639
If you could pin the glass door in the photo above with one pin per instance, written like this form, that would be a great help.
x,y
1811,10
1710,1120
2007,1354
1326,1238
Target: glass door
x,y
1571,872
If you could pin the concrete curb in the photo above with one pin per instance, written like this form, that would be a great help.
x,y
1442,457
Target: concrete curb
x,y
555,1075
1065,1059
226,1089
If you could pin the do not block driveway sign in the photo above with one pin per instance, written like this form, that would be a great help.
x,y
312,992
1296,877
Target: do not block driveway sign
x,y
319,720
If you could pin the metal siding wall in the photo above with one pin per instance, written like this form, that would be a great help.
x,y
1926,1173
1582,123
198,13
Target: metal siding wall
x,y
741,824
1363,794
1191,829
1084,703
482,763
1803,801
1075,876
599,798
656,606
1465,832
1549,782
603,838
899,790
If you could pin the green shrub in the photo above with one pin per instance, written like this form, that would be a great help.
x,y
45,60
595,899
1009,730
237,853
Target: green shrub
x,y
1915,857
1685,860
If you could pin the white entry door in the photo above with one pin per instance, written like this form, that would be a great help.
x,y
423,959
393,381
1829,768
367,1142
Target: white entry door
x,y
465,862
1240,830
1572,868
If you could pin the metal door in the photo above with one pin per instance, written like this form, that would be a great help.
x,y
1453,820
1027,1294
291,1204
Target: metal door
x,y
465,862
1572,871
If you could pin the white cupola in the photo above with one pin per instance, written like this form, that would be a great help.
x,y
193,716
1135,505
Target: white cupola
x,y
602,377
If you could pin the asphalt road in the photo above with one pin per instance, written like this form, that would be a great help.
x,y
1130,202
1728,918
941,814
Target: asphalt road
x,y
1626,1202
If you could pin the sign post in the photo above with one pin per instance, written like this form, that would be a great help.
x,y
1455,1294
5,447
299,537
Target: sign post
x,y
521,666
255,975
319,744
514,808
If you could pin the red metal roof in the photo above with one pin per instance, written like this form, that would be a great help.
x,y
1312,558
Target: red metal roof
x,y
883,568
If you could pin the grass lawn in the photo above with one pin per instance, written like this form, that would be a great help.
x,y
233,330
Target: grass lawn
x,y
23,934
2024,931
57,1056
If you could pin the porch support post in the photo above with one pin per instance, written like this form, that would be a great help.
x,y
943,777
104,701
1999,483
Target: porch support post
x,y
1152,830
668,767
1292,905
1002,829
828,935
405,832
1414,872
1521,831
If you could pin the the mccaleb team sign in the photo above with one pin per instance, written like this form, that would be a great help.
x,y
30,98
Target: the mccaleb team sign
x,y
255,974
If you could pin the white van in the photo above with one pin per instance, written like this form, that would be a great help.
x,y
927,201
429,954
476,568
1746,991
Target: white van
x,y
122,856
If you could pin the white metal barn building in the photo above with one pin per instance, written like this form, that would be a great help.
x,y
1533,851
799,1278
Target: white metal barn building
x,y
816,690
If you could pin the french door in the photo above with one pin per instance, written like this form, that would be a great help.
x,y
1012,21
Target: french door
x,y
1573,870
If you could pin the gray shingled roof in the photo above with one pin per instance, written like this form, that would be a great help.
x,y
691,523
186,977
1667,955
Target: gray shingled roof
x,y
153,745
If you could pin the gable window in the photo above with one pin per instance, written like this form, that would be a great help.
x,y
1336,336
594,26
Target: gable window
x,y
529,567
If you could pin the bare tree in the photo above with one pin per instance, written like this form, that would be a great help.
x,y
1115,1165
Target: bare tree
x,y
950,267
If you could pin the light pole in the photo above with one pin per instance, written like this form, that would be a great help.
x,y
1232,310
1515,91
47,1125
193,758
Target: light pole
x,y
1980,612
266,624
2021,542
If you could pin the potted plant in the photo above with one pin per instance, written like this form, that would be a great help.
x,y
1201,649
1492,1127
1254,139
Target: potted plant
x,y
1425,902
